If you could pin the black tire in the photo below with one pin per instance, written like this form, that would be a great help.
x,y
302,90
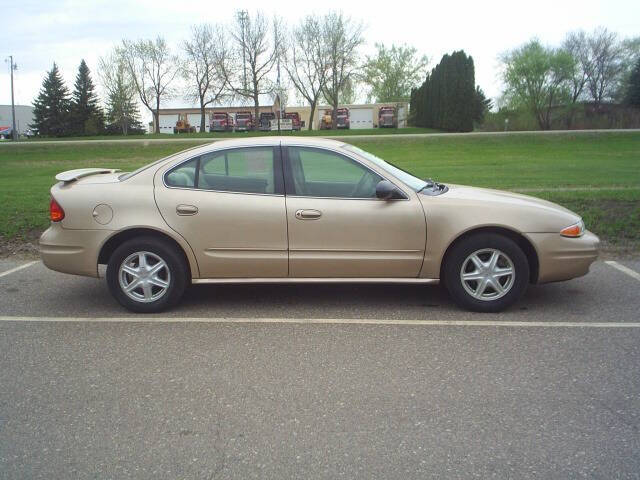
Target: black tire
x,y
457,257
178,274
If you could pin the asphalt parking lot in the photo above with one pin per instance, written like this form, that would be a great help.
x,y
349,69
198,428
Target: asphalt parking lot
x,y
319,381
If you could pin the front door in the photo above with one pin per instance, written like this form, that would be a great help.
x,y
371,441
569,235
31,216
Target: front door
x,y
337,225
230,206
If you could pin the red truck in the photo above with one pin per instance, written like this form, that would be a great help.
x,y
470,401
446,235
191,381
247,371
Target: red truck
x,y
220,122
244,121
295,120
387,117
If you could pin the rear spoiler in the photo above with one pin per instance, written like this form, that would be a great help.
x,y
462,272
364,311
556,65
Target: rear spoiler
x,y
72,175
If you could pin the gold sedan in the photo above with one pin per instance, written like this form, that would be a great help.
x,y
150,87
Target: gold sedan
x,y
303,210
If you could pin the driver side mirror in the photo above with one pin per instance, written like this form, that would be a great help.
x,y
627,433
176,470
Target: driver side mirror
x,y
385,190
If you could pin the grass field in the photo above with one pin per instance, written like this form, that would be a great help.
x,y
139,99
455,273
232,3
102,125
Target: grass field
x,y
305,133
595,174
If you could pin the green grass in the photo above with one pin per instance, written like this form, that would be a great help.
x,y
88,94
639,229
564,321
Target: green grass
x,y
305,133
608,162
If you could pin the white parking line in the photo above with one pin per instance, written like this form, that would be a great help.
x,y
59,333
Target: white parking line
x,y
623,269
327,321
18,268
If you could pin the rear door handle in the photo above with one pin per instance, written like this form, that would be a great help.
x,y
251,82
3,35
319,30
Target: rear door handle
x,y
308,214
186,209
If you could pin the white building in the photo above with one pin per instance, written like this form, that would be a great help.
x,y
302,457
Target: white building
x,y
24,117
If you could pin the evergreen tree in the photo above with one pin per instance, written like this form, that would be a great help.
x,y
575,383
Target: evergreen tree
x,y
447,98
51,108
123,116
633,88
87,117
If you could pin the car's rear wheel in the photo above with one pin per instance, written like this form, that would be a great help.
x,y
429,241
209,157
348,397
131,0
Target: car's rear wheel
x,y
147,275
486,272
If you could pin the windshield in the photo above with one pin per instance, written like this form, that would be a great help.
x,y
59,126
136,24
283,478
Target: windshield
x,y
414,182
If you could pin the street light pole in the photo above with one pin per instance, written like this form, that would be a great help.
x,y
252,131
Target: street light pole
x,y
14,133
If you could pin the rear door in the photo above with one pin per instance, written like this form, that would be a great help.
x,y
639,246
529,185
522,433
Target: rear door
x,y
337,225
230,206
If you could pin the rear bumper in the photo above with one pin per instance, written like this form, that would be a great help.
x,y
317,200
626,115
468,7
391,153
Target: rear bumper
x,y
561,258
72,251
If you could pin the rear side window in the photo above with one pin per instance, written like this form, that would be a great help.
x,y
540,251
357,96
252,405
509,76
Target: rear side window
x,y
183,175
245,170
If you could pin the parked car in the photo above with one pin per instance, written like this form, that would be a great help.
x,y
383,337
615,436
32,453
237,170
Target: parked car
x,y
342,118
244,121
220,122
297,209
295,120
387,117
265,121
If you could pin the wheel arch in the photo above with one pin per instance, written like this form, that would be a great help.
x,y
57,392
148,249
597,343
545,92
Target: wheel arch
x,y
522,241
113,242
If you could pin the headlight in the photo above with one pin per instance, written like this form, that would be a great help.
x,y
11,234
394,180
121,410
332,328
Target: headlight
x,y
575,230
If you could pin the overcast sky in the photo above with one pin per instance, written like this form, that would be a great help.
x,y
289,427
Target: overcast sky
x,y
39,33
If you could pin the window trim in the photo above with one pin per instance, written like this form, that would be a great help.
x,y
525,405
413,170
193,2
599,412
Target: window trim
x,y
278,171
290,186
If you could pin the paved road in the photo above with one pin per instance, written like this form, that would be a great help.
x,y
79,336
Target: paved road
x,y
177,138
169,399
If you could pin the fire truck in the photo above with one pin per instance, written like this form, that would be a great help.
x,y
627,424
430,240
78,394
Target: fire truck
x,y
295,120
244,121
220,122
387,117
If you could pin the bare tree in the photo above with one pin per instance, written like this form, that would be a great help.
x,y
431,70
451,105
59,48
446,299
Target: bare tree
x,y
253,45
577,45
606,57
342,37
206,54
306,61
152,68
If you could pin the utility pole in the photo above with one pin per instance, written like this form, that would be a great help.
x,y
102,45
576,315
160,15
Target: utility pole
x,y
242,17
14,133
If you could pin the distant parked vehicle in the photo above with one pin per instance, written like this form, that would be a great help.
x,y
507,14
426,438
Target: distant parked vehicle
x,y
295,120
183,125
220,122
342,118
265,121
244,122
5,132
387,117
325,120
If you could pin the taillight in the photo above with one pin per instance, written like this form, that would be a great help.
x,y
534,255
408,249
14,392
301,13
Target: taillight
x,y
56,213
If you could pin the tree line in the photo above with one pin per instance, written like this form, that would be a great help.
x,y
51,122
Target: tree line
x,y
251,57
587,68
319,59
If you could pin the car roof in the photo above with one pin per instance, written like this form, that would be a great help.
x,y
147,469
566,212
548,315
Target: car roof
x,y
269,140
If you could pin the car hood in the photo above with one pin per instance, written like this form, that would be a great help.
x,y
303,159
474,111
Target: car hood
x,y
483,206
504,197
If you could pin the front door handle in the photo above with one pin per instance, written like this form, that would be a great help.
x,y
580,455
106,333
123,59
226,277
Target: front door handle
x,y
308,214
186,209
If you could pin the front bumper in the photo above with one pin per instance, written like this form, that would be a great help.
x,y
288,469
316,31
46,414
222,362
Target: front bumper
x,y
561,258
72,251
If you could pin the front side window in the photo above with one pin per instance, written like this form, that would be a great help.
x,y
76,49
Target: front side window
x,y
248,170
322,173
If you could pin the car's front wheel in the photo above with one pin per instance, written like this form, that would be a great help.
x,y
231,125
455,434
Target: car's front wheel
x,y
486,272
146,275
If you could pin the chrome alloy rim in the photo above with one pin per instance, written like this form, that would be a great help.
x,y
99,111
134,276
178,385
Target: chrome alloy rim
x,y
487,274
144,277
